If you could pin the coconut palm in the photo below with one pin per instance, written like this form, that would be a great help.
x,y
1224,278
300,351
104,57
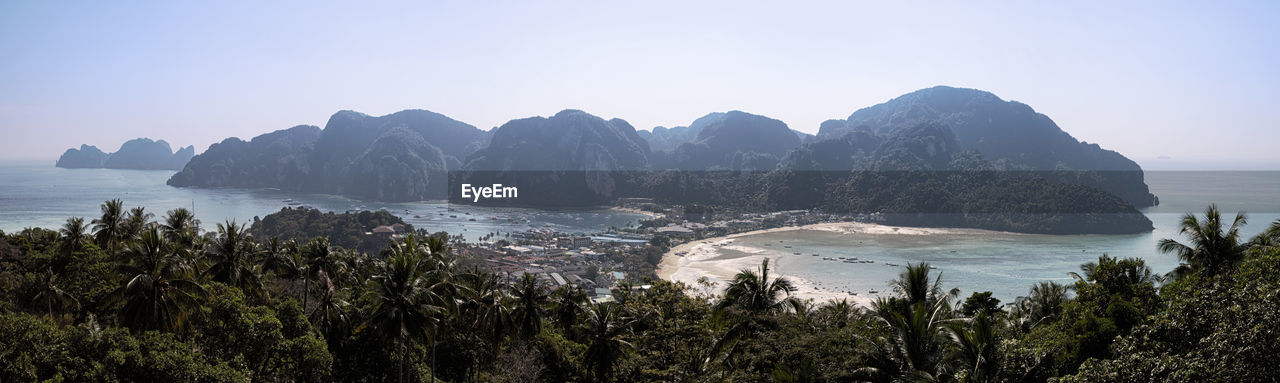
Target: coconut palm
x,y
136,221
401,312
179,227
566,306
74,233
756,294
1133,271
1044,303
1212,246
914,286
51,297
605,327
282,259
158,291
317,258
975,341
231,256
917,339
749,302
530,295
485,305
109,230
330,315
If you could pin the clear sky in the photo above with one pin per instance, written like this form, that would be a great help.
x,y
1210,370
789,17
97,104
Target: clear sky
x,y
1195,81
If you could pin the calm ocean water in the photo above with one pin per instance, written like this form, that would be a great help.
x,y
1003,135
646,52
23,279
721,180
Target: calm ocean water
x,y
37,194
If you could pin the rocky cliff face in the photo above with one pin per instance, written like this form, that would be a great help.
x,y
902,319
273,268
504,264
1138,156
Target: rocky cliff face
x,y
88,156
140,153
569,140
1009,134
398,157
734,141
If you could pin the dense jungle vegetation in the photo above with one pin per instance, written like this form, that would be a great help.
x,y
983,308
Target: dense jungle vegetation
x,y
128,297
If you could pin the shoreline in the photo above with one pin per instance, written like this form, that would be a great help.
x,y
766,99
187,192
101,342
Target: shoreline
x,y
621,209
703,260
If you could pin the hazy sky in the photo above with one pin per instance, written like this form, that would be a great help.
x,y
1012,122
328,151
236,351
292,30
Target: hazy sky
x,y
1195,82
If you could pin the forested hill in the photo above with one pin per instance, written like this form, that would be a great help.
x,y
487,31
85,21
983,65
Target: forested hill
x,y
346,230
403,156
408,156
1010,134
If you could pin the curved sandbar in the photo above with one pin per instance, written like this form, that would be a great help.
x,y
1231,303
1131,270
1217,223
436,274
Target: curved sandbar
x,y
704,260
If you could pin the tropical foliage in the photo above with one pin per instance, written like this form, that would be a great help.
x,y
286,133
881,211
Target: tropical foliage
x,y
166,302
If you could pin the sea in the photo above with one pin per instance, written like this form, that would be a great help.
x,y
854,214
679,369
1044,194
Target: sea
x,y
37,194
1008,264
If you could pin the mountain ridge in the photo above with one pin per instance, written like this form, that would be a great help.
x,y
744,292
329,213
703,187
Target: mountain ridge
x,y
139,153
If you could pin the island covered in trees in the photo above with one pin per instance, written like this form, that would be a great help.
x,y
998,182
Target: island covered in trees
x,y
128,296
939,156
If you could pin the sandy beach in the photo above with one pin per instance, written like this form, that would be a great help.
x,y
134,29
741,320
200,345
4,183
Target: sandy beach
x,y
634,211
703,258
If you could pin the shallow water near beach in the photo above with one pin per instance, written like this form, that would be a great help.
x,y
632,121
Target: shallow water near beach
x,y
1005,263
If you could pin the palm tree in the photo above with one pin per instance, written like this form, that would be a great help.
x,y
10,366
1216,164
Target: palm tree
x,y
530,295
136,221
1045,302
566,306
1212,247
231,255
179,227
975,341
158,291
605,326
756,294
486,303
330,315
917,336
1134,271
754,297
400,312
839,314
914,285
917,318
283,260
73,235
51,297
318,258
110,228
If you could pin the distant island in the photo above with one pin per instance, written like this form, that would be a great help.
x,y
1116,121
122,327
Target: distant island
x,y
140,153
963,154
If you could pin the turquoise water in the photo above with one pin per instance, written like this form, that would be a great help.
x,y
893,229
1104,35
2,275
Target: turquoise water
x,y
37,194
1008,264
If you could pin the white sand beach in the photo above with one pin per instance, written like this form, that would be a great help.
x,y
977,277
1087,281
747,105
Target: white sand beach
x,y
704,258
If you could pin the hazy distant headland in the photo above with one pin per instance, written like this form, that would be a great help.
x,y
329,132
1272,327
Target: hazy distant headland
x,y
139,153
959,153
